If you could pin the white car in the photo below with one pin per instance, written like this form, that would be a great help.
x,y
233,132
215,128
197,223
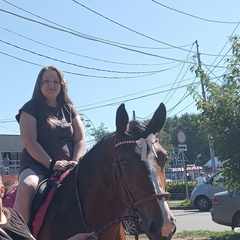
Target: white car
x,y
201,196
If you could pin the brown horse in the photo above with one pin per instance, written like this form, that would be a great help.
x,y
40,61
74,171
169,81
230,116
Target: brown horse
x,y
124,169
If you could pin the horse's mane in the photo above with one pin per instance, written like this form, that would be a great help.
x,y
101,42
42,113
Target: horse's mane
x,y
92,160
138,130
135,130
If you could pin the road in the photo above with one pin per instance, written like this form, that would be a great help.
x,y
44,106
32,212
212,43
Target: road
x,y
193,219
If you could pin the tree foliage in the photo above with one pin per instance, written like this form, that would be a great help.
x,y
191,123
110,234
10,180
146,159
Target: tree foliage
x,y
221,112
100,132
197,141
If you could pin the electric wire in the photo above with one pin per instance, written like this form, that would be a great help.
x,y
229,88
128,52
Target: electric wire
x,y
100,39
156,93
172,92
129,95
85,75
84,56
222,57
80,66
193,16
75,34
104,40
127,100
132,30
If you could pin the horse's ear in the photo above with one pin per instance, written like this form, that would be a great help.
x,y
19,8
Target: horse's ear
x,y
158,120
122,119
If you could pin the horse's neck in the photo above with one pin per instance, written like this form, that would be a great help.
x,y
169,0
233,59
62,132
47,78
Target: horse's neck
x,y
102,194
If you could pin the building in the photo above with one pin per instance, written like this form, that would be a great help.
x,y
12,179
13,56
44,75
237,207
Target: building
x,y
10,147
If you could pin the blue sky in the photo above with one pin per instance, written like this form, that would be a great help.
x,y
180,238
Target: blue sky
x,y
112,52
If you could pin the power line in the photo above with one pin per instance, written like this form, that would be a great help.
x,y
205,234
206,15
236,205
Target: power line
x,y
128,100
125,27
116,44
90,38
80,66
84,56
193,16
100,39
223,49
85,75
177,78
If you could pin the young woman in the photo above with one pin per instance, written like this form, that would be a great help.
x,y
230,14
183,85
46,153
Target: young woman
x,y
52,135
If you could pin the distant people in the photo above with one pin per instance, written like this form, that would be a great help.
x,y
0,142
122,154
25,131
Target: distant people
x,y
189,178
201,179
6,163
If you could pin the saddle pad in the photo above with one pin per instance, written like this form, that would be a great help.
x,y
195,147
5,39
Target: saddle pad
x,y
40,214
10,198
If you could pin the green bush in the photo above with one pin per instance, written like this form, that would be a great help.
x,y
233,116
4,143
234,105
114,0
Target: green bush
x,y
178,189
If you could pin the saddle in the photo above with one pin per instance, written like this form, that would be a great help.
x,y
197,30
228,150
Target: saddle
x,y
42,198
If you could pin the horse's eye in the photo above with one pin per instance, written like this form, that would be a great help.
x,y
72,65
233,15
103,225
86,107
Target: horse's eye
x,y
123,162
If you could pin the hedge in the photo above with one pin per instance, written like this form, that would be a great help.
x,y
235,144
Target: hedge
x,y
178,189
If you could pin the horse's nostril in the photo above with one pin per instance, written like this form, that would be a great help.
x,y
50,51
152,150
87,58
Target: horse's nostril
x,y
155,226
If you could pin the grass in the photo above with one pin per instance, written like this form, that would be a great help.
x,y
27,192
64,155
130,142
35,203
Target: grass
x,y
184,203
199,235
209,235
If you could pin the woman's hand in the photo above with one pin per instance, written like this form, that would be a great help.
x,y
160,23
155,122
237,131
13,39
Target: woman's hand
x,y
60,164
83,236
73,163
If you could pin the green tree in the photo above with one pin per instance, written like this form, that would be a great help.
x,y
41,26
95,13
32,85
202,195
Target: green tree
x,y
196,137
221,113
100,132
197,141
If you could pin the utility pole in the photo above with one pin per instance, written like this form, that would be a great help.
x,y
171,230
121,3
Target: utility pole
x,y
182,146
134,115
211,147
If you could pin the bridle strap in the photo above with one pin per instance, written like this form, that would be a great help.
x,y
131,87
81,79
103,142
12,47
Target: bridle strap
x,y
159,196
134,204
125,142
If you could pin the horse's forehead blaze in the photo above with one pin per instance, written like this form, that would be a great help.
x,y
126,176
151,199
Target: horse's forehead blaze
x,y
156,181
156,172
161,154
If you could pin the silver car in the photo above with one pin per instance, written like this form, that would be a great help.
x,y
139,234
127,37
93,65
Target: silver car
x,y
201,196
226,209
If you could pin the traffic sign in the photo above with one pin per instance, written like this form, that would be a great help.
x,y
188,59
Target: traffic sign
x,y
182,147
181,136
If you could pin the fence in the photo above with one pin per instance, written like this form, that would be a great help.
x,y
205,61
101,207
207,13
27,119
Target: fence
x,y
13,167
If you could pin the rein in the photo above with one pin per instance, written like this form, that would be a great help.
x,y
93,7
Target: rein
x,y
120,219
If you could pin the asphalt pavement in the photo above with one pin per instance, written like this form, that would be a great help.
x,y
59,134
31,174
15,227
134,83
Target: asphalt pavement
x,y
193,219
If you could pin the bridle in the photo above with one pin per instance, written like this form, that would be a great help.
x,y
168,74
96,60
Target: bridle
x,y
134,205
143,144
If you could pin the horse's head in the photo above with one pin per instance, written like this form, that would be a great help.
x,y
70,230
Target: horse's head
x,y
140,162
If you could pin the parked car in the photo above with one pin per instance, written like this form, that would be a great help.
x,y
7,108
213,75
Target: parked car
x,y
226,209
201,196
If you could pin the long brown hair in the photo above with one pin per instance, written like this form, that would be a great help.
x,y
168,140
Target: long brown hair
x,y
38,97
5,210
